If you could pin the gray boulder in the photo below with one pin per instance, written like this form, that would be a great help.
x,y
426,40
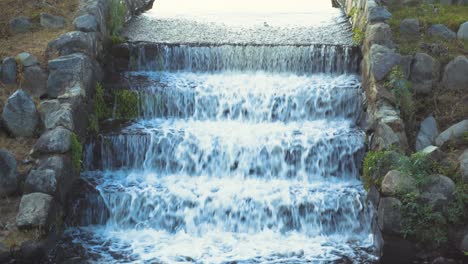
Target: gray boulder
x,y
382,60
424,73
9,70
20,24
86,23
52,22
378,14
441,31
379,33
464,165
427,133
55,114
384,138
73,42
456,74
26,59
389,216
35,81
394,183
409,28
452,133
34,211
54,141
439,192
434,153
69,72
20,114
43,181
464,243
8,173
463,31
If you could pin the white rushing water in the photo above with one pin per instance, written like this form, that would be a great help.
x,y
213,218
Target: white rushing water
x,y
240,154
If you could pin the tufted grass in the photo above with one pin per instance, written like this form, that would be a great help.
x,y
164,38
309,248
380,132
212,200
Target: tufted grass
x,y
427,14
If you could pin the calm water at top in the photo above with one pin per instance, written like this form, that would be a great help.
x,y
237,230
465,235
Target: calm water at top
x,y
242,22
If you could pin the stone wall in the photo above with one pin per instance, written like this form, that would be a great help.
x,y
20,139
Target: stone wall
x,y
75,65
386,128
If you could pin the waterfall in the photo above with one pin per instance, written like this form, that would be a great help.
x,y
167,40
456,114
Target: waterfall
x,y
239,154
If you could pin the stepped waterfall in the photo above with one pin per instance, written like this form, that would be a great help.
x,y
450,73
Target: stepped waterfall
x,y
241,153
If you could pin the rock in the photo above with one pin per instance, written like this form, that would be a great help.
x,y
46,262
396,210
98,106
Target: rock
x,y
71,72
452,133
394,183
73,42
441,31
43,181
35,81
55,114
34,210
20,114
434,153
424,73
8,173
26,59
463,31
64,173
373,196
52,22
456,74
409,28
389,215
464,166
384,138
442,260
435,49
439,192
379,33
405,64
54,141
9,70
427,133
20,24
382,60
464,243
378,14
33,251
5,254
86,23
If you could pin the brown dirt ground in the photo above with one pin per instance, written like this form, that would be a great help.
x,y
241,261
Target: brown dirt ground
x,y
34,42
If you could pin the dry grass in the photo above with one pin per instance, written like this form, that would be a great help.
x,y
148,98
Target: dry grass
x,y
36,41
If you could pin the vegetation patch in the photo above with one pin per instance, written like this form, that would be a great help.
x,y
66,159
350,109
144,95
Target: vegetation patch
x,y
358,36
116,20
401,89
420,221
126,104
76,152
430,14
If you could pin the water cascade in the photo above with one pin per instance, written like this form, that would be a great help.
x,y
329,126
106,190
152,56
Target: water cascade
x,y
240,154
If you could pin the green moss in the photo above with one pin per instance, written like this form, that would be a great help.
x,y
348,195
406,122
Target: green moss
x,y
401,89
116,19
76,151
358,36
353,12
126,104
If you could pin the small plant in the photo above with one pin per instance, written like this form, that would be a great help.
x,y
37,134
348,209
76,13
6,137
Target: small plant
x,y
116,19
377,164
126,104
358,36
421,223
401,89
93,124
76,151
100,107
